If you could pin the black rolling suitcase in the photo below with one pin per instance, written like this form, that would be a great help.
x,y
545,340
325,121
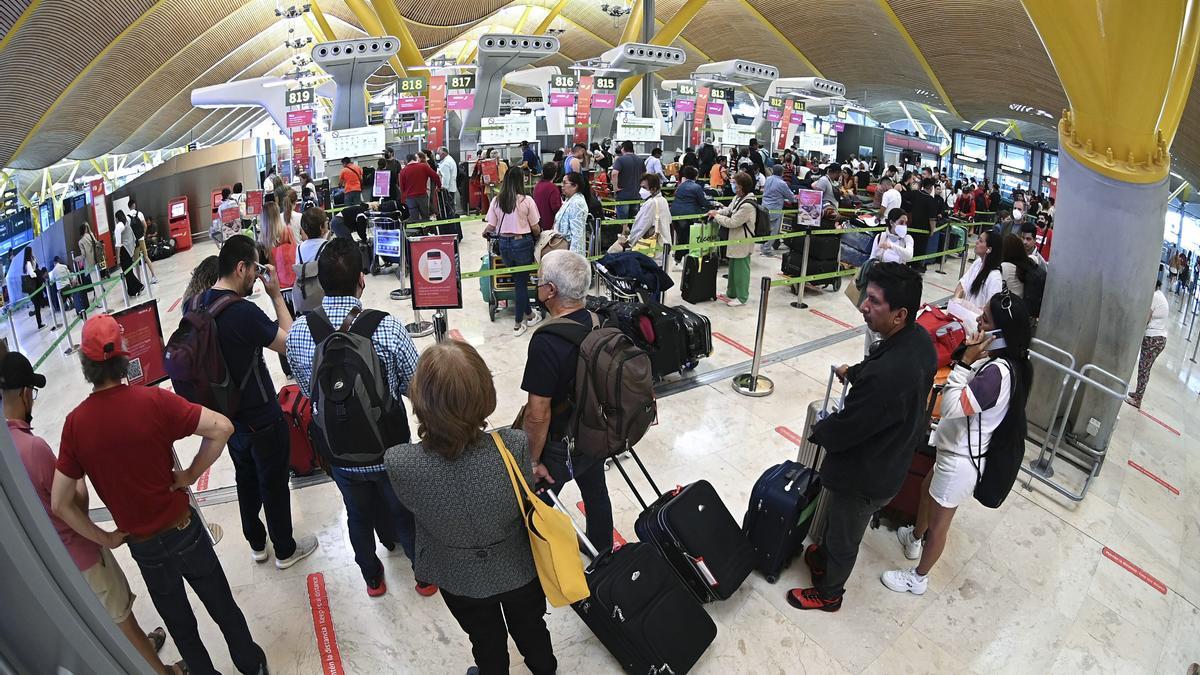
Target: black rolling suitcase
x,y
697,535
640,610
444,210
697,333
668,353
782,503
699,278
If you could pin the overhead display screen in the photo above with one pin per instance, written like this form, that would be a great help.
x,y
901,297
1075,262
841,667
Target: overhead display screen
x,y
1016,157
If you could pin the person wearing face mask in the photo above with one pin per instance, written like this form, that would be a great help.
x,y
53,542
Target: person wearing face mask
x,y
895,245
738,218
982,408
869,442
260,445
654,215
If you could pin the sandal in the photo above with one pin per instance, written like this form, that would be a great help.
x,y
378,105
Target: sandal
x,y
157,638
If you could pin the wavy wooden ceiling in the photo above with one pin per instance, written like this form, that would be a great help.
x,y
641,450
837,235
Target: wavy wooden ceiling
x,y
119,79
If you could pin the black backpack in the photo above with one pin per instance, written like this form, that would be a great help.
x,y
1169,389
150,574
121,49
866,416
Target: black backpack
x,y
1006,448
1035,287
762,219
195,364
355,418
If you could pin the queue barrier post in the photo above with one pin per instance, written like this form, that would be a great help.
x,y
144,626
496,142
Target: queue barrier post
x,y
1194,349
47,289
799,303
71,348
124,287
753,384
962,263
146,276
946,231
666,267
441,325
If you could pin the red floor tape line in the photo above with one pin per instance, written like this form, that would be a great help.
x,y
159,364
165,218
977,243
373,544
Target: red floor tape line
x,y
202,482
948,290
1153,477
1160,423
839,322
175,304
790,435
327,647
734,343
618,540
1135,570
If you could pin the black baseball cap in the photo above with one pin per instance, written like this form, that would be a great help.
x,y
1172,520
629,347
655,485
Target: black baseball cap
x,y
17,373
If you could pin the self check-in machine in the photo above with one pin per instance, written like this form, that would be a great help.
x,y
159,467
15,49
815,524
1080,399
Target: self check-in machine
x,y
179,223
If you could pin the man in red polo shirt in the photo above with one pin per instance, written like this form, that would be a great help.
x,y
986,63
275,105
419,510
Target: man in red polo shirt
x,y
414,187
121,438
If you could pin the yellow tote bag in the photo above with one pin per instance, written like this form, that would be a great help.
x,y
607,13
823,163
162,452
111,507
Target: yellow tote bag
x,y
551,537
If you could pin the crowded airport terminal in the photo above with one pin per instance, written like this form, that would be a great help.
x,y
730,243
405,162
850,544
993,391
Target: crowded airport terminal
x,y
352,337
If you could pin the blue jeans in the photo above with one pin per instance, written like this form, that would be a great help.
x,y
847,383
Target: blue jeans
x,y
165,562
372,504
776,225
260,464
626,210
353,198
516,251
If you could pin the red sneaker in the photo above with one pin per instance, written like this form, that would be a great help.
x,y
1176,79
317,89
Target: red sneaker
x,y
810,559
427,590
378,589
809,598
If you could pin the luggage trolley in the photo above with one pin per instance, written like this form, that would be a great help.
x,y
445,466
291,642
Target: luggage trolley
x,y
500,287
383,220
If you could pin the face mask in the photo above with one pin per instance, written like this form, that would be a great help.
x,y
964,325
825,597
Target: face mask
x,y
645,194
1017,214
901,231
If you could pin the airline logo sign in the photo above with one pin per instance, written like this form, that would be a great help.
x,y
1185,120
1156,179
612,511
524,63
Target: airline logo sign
x,y
583,109
299,118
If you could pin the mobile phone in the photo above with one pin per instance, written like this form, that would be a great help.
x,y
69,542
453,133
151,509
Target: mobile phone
x,y
998,340
434,266
263,271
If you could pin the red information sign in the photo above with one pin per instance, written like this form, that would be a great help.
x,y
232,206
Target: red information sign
x,y
699,117
784,124
299,118
410,104
142,330
300,150
254,203
434,272
99,200
436,120
583,108
489,169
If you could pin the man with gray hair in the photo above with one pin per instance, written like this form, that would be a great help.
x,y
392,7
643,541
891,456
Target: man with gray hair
x,y
549,380
447,170
776,194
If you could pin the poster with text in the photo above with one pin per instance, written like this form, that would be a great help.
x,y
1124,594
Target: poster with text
x,y
435,121
99,201
299,118
383,180
300,149
462,101
809,202
434,272
410,104
583,108
700,115
142,330
254,203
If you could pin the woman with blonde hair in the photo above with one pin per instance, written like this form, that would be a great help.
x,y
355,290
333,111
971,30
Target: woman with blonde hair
x,y
471,537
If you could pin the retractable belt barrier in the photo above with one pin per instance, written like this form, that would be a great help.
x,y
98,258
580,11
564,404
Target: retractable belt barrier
x,y
101,299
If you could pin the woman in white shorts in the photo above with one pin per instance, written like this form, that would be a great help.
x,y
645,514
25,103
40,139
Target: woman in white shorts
x,y
975,401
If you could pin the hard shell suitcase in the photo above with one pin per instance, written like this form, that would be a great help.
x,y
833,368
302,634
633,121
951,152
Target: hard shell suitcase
x,y
699,282
668,353
640,610
297,413
811,454
697,535
698,333
824,247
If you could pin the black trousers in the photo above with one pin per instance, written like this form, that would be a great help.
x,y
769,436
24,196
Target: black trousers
x,y
489,621
846,518
132,285
260,464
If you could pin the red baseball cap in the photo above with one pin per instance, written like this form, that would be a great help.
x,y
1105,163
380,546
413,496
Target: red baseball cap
x,y
103,338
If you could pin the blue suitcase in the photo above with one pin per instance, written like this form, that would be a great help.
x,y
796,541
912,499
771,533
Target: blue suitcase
x,y
782,504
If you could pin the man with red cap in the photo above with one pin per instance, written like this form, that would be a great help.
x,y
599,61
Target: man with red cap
x,y
121,438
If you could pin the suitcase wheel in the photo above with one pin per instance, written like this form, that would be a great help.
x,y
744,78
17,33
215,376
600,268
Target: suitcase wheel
x,y
837,284
771,578
492,308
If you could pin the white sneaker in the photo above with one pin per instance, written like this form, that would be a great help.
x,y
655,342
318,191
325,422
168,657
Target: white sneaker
x,y
534,320
905,581
260,556
519,329
304,548
912,546
735,303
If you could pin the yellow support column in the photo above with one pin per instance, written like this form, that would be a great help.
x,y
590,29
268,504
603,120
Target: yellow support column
x,y
666,35
633,26
550,17
322,21
371,24
410,54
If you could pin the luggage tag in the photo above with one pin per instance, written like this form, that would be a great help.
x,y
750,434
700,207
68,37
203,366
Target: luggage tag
x,y
702,567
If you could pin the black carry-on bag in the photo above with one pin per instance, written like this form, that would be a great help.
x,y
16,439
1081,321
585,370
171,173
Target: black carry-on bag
x,y
699,281
697,535
784,500
639,609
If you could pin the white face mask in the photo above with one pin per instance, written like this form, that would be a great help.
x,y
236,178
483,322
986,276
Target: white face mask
x,y
645,194
1017,214
901,231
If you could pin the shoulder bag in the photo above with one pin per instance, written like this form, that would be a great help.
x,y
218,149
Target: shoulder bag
x,y
552,539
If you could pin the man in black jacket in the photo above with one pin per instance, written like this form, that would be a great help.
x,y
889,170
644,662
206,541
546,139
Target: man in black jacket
x,y
869,444
923,216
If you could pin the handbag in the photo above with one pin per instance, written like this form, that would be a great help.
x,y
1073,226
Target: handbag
x,y
552,539
549,240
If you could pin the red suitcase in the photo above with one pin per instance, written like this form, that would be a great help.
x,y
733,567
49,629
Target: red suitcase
x,y
297,412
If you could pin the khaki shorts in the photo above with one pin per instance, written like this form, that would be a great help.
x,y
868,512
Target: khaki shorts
x,y
110,586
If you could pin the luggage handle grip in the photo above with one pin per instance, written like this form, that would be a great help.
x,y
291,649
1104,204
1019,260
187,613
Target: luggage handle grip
x,y
629,481
587,543
829,390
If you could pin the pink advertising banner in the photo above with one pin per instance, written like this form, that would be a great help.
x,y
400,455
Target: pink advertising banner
x,y
299,118
715,108
460,101
604,100
410,104
774,115
685,105
560,99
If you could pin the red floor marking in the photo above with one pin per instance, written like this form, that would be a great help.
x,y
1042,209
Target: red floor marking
x,y
790,435
455,335
948,290
175,304
1135,570
1161,423
823,315
618,540
202,483
734,343
1153,477
327,647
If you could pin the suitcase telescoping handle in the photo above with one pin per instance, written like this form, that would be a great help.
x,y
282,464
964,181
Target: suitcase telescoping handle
x,y
829,391
587,543
629,481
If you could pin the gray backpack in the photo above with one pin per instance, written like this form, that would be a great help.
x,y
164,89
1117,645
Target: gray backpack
x,y
307,293
355,418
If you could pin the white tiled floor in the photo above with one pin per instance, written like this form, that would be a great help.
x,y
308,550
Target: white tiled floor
x,y
1021,589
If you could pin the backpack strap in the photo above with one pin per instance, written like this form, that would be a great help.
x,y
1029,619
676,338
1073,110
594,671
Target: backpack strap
x,y
568,329
220,304
365,322
319,325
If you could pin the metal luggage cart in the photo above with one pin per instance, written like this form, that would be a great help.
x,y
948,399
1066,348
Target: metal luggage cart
x,y
624,289
500,287
385,221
